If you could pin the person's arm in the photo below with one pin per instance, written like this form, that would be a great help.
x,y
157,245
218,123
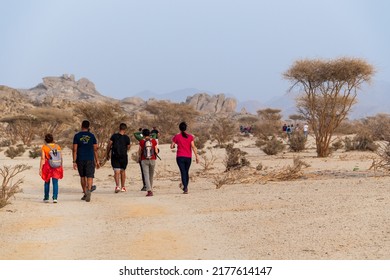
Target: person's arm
x,y
139,153
74,156
42,162
95,152
109,145
195,151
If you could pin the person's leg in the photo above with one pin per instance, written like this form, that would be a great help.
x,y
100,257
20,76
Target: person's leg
x,y
123,180
187,165
46,191
143,178
83,182
90,172
182,167
151,173
55,188
145,169
117,174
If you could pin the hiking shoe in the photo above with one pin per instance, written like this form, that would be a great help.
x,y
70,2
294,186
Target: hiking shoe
x,y
117,189
84,197
181,186
185,191
88,196
55,201
143,189
150,193
46,200
93,188
123,189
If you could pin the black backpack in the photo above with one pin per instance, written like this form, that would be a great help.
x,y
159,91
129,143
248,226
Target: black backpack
x,y
119,146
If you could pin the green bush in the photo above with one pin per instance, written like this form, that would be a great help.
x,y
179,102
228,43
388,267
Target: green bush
x,y
35,152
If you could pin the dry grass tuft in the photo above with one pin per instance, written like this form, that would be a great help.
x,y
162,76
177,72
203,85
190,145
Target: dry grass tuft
x,y
8,187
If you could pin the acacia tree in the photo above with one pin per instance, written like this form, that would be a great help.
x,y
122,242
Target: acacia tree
x,y
329,89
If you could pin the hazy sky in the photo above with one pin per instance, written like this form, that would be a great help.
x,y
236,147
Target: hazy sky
x,y
238,47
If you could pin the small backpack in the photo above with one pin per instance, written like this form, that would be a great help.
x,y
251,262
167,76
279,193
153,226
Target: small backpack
x,y
148,149
55,157
119,147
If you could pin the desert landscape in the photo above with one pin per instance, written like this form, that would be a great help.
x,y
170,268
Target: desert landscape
x,y
337,208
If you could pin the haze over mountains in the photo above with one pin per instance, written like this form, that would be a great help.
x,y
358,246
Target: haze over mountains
x,y
373,99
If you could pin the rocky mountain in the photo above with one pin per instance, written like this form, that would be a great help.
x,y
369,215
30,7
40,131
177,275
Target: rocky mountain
x,y
212,104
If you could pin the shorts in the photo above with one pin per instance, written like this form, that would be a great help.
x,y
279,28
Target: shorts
x,y
119,163
86,168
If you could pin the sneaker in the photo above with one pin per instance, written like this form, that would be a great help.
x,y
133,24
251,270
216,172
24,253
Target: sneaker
x,y
117,189
143,189
123,189
185,192
55,201
84,197
46,200
150,193
93,188
181,186
88,196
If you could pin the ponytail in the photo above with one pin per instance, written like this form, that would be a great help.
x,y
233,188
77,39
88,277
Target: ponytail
x,y
183,128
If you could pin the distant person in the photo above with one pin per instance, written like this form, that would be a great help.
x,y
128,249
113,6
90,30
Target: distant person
x,y
147,153
85,158
117,148
306,130
49,171
185,146
139,136
284,128
155,133
288,131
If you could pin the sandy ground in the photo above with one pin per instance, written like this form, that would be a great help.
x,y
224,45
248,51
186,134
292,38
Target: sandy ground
x,y
340,210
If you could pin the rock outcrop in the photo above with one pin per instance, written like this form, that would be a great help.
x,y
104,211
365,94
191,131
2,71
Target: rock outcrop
x,y
56,90
212,104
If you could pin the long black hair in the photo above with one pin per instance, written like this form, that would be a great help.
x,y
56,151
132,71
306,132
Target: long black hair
x,y
183,128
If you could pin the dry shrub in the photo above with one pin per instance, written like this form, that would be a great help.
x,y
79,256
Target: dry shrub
x,y
273,146
287,173
223,130
13,152
35,152
9,187
297,141
166,116
235,158
337,144
208,161
201,135
377,126
361,142
383,163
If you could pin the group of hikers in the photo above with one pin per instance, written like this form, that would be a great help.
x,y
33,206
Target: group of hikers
x,y
289,129
85,158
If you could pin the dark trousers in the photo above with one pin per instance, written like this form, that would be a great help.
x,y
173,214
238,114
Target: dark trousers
x,y
184,164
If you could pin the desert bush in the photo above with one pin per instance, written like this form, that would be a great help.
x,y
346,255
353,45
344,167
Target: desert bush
x,y
235,158
337,144
297,141
35,152
377,126
5,143
361,142
167,116
207,161
13,152
9,187
273,146
223,130
201,136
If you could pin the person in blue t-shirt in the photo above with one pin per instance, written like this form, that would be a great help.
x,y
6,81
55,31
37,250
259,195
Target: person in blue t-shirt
x,y
85,158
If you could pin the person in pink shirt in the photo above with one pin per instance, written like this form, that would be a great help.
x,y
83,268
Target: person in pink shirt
x,y
185,147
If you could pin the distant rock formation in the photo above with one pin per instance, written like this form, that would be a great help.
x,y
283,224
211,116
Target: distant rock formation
x,y
212,104
56,90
